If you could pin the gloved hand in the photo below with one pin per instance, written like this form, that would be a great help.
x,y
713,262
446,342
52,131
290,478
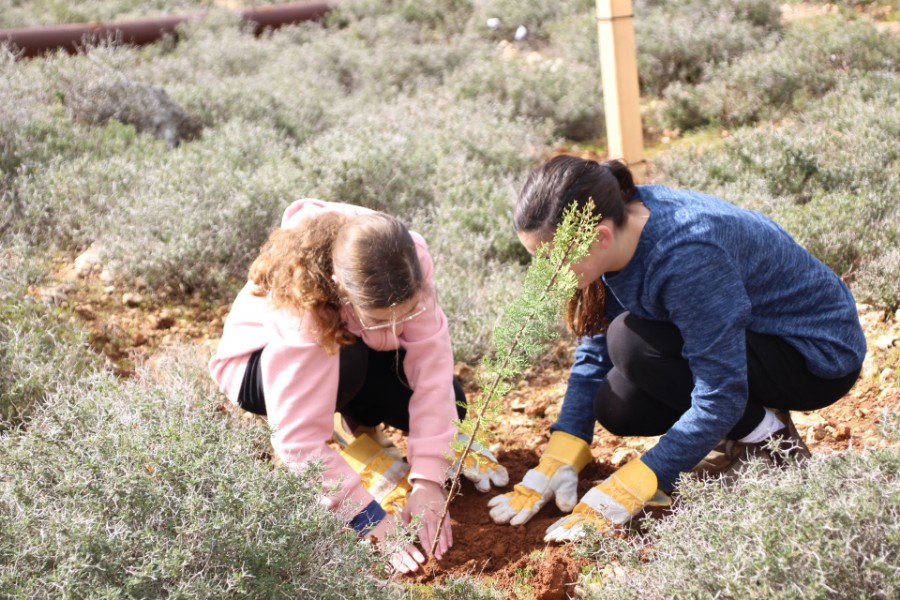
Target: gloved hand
x,y
382,474
480,466
556,476
613,502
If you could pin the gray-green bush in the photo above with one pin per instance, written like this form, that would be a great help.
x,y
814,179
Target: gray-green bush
x,y
537,87
783,75
828,530
41,347
142,489
681,41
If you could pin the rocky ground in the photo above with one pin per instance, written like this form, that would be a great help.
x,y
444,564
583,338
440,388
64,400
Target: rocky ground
x,y
130,327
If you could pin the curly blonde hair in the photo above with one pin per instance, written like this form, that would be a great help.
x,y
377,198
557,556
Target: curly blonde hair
x,y
373,256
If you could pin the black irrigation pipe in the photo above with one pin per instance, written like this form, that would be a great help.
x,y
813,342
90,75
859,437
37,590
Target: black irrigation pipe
x,y
28,42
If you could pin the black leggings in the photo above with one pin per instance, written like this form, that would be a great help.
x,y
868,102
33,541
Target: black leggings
x,y
372,388
650,385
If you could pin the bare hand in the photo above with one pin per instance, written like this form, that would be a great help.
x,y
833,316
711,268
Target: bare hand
x,y
404,560
426,501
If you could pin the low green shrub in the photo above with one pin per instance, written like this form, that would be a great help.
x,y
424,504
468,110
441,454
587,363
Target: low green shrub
x,y
439,18
184,220
200,214
452,588
567,95
142,489
824,531
877,283
781,77
41,348
681,41
30,129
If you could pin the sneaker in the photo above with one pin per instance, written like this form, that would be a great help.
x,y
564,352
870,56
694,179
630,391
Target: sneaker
x,y
729,457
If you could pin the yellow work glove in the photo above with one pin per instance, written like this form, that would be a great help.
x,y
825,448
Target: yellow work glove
x,y
382,474
556,476
613,502
480,466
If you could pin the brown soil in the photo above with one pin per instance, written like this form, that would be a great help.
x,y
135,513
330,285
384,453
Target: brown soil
x,y
513,560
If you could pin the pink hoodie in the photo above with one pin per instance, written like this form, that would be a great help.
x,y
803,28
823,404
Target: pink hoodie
x,y
300,380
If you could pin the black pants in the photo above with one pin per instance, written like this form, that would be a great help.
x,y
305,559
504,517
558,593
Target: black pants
x,y
372,388
650,385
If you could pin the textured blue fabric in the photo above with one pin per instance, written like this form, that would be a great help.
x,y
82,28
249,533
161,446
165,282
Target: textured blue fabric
x,y
368,518
592,363
716,271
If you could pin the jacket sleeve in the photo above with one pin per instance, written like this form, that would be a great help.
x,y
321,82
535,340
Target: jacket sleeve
x,y
300,382
587,374
711,308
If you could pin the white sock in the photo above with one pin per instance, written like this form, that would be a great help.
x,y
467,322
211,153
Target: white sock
x,y
770,424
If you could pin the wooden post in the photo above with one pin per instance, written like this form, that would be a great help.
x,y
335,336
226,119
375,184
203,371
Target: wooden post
x,y
621,94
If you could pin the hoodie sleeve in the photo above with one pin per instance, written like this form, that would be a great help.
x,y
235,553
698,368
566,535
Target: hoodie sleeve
x,y
300,381
429,369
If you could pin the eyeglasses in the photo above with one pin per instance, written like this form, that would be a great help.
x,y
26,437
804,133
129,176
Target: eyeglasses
x,y
370,325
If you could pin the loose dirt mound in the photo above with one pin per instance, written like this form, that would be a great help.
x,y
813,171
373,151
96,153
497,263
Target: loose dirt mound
x,y
514,559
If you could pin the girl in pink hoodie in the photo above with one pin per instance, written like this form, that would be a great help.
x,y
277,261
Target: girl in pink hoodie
x,y
340,314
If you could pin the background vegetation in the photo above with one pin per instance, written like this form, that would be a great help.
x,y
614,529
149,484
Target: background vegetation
x,y
175,160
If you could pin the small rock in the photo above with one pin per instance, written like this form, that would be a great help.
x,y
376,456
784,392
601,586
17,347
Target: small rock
x,y
816,433
85,312
890,392
883,342
807,420
535,440
537,408
88,261
107,276
139,339
164,320
842,432
461,370
54,295
132,299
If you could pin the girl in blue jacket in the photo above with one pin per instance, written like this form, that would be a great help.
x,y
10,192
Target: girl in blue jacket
x,y
698,321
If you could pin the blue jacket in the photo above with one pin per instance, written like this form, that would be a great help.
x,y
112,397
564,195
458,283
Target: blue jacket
x,y
716,271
